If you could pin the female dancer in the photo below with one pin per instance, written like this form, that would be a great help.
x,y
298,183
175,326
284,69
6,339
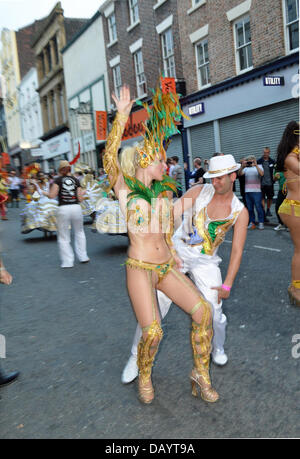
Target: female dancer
x,y
152,262
288,160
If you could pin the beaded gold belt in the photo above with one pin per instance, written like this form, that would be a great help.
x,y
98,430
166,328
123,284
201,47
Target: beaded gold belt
x,y
161,269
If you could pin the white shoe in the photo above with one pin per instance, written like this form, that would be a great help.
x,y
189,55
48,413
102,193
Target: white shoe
x,y
219,357
261,226
279,227
130,371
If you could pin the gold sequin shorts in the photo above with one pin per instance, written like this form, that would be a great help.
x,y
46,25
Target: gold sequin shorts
x,y
287,205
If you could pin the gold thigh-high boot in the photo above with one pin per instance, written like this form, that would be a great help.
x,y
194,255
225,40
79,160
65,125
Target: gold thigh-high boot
x,y
201,336
147,350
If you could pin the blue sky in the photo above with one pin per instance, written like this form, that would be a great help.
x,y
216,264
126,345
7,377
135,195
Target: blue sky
x,y
15,14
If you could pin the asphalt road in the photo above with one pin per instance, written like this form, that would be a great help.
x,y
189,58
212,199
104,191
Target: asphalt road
x,y
69,332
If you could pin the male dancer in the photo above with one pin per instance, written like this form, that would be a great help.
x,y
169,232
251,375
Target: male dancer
x,y
215,210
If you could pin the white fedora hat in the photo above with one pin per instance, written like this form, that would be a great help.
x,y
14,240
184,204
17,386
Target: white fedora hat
x,y
221,165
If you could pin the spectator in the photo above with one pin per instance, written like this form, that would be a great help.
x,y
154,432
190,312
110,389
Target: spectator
x,y
190,176
253,173
267,181
198,176
169,163
241,179
6,278
14,188
3,196
177,174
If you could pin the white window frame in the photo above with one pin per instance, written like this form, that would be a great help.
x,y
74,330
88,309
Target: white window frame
x,y
168,58
112,28
237,56
116,70
202,43
288,49
141,84
195,5
134,11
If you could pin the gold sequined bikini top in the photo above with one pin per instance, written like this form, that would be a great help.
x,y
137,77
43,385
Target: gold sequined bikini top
x,y
296,150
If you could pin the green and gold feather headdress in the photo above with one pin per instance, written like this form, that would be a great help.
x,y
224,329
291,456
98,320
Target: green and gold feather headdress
x,y
164,113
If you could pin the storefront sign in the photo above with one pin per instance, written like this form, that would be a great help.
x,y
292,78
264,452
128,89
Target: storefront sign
x,y
85,122
273,81
58,145
196,109
101,125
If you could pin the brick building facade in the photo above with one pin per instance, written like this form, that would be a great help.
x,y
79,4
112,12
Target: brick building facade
x,y
231,52
133,32
51,36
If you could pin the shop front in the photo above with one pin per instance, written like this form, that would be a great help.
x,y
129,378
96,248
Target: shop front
x,y
56,149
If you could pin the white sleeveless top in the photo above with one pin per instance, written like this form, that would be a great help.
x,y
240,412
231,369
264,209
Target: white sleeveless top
x,y
201,233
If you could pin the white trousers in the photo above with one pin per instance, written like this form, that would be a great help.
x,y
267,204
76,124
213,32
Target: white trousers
x,y
70,216
205,275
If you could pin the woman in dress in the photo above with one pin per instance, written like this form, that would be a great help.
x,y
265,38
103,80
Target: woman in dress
x,y
145,197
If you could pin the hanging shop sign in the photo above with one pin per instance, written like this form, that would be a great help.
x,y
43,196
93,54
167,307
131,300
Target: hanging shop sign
x,y
273,81
101,125
59,145
135,124
85,121
197,109
168,85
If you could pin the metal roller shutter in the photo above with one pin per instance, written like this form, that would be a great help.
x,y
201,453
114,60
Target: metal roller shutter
x,y
248,133
202,140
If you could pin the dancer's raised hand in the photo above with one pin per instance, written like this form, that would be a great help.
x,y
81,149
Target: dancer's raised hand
x,y
124,102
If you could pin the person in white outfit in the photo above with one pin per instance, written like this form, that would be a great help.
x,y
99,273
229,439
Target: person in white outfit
x,y
215,210
67,189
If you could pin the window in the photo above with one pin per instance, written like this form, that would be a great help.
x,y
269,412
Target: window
x,y
139,73
202,61
48,54
112,27
117,79
291,17
56,52
168,53
243,44
133,11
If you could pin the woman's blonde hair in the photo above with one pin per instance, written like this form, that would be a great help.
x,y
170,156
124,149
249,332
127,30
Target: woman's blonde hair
x,y
129,160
